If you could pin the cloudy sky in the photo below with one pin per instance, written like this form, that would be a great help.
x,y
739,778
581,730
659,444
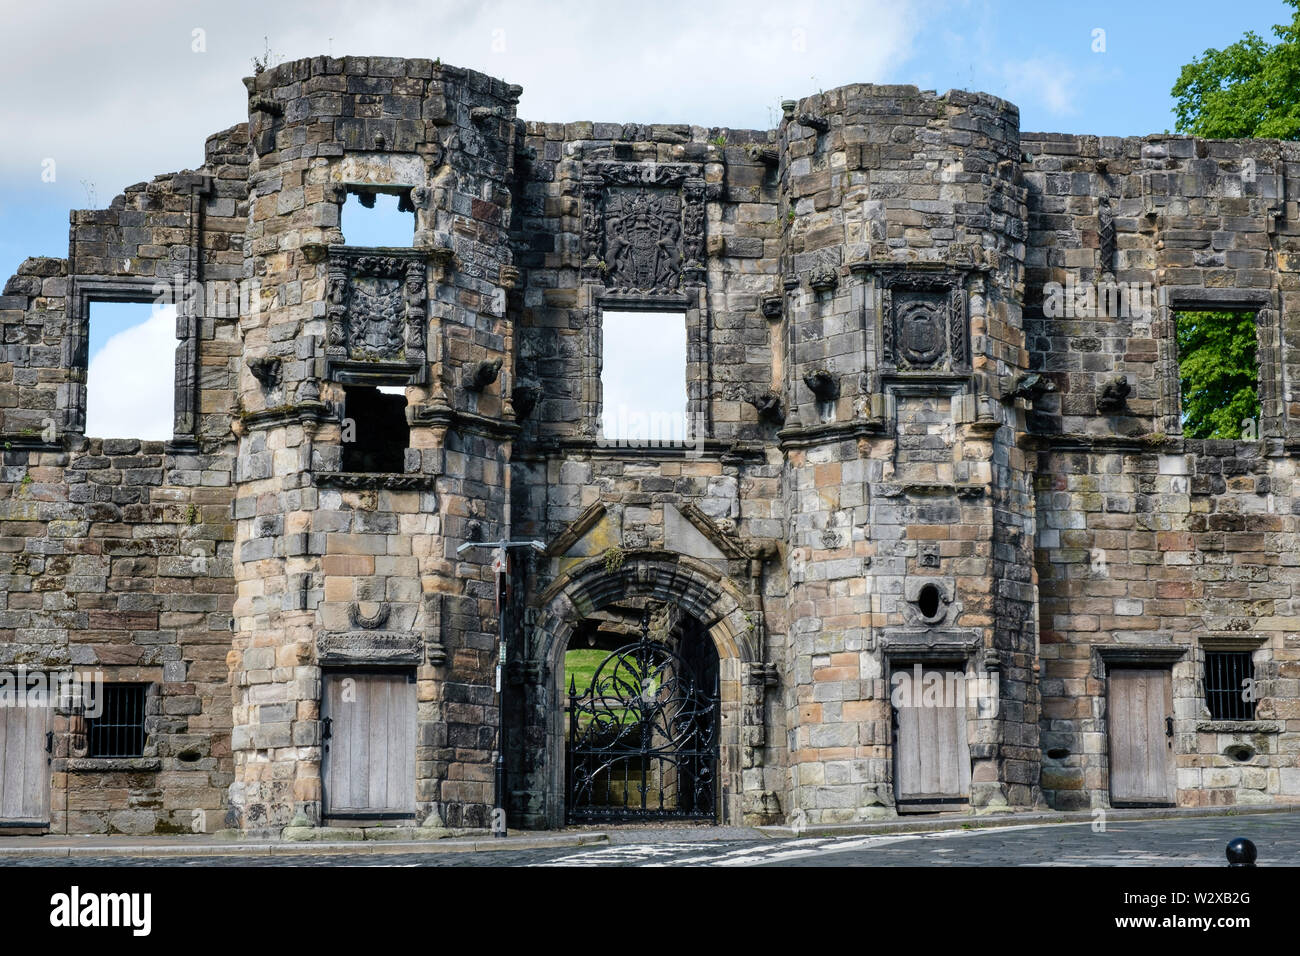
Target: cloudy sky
x,y
99,95
113,93
130,381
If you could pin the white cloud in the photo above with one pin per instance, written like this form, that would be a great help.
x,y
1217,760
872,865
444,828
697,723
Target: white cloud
x,y
115,94
1041,81
643,376
131,380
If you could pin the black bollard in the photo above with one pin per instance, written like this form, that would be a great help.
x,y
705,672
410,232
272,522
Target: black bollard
x,y
1241,852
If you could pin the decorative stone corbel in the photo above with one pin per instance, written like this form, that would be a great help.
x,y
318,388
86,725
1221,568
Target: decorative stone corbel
x,y
266,369
1027,385
824,279
1113,394
812,121
482,374
315,252
769,406
525,396
265,104
823,384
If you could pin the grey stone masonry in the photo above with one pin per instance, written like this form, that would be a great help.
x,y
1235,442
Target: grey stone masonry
x,y
904,454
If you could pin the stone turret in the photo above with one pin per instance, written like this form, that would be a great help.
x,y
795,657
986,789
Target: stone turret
x,y
348,558
903,275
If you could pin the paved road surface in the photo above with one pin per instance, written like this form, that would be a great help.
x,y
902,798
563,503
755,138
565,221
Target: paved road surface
x,y
1181,842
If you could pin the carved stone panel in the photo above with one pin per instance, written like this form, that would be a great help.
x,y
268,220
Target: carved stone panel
x,y
643,225
925,322
376,309
369,647
643,232
922,320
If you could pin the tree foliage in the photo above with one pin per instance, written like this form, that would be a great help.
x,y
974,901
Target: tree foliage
x,y
1218,372
1248,89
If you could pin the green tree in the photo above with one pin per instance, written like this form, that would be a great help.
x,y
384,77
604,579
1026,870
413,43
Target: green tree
x,y
1218,372
1249,89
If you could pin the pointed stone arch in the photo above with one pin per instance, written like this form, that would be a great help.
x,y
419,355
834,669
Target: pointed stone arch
x,y
725,611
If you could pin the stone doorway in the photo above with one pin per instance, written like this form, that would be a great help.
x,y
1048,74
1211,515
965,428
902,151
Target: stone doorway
x,y
726,642
368,770
641,722
932,765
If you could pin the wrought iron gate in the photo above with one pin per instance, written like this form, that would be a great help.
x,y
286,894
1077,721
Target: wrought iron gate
x,y
643,738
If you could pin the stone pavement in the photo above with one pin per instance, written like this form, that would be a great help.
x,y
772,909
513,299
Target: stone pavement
x,y
1176,840
14,850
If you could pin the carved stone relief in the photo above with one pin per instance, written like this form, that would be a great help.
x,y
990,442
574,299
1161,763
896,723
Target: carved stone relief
x,y
925,323
376,308
643,225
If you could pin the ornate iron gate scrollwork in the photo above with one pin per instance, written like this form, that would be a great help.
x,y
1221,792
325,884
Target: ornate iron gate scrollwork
x,y
643,739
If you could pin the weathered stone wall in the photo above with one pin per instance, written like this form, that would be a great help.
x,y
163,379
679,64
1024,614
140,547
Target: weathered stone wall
x,y
117,552
884,398
1146,538
306,554
586,497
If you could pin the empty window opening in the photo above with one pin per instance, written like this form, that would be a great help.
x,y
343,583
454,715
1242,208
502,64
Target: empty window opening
x,y
1218,374
118,731
1230,685
375,431
643,378
131,370
378,217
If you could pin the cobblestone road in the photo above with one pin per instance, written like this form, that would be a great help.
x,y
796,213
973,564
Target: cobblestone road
x,y
1184,842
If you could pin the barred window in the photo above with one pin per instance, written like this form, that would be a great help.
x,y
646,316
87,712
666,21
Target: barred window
x,y
118,731
1230,685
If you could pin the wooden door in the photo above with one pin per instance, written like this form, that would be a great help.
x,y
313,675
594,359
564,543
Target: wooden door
x,y
369,760
24,766
1140,710
931,752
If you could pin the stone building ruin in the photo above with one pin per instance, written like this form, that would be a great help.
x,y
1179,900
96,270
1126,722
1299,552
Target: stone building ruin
x,y
901,464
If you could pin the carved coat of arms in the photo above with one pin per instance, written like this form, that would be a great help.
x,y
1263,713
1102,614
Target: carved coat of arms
x,y
643,231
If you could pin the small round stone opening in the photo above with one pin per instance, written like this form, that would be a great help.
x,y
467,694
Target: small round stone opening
x,y
927,601
1240,753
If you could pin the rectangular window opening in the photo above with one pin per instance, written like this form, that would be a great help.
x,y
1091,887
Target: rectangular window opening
x,y
118,731
378,216
131,370
1218,374
375,431
643,378
1230,685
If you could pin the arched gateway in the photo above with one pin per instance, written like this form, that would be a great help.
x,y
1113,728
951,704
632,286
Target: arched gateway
x,y
610,752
